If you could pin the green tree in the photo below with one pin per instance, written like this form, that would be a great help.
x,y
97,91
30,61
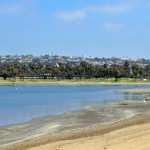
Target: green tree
x,y
116,71
48,69
126,67
135,71
69,71
147,71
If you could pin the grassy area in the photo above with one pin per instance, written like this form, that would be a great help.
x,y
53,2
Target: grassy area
x,y
93,80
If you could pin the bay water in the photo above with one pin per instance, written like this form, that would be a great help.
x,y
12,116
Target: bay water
x,y
22,103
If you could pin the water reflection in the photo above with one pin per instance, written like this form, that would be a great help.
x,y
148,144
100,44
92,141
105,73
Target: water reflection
x,y
28,102
135,96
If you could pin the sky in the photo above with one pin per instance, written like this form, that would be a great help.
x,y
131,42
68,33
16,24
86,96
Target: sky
x,y
88,28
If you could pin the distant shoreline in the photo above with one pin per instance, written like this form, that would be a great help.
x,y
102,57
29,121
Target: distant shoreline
x,y
71,83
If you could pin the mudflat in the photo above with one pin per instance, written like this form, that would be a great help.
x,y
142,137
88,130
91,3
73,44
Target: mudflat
x,y
93,125
137,91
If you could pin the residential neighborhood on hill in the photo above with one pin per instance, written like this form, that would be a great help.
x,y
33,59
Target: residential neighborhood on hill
x,y
74,60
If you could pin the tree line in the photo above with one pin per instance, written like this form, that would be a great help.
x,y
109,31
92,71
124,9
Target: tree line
x,y
67,71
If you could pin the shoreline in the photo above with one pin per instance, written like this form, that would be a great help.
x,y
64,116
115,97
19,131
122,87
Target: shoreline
x,y
132,133
69,83
91,121
90,132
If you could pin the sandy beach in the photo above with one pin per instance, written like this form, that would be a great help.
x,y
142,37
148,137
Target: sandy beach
x,y
134,137
131,134
115,126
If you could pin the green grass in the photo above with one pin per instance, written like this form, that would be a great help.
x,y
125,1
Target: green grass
x,y
93,80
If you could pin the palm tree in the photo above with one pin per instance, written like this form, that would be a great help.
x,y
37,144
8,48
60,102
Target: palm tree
x,y
147,71
22,71
126,67
78,71
55,72
105,70
83,66
116,71
3,71
62,70
135,70
48,69
40,69
141,72
89,71
33,68
69,71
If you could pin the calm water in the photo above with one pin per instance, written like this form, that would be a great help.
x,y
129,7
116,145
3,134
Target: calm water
x,y
22,103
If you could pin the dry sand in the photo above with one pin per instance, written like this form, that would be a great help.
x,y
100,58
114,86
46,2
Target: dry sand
x,y
129,138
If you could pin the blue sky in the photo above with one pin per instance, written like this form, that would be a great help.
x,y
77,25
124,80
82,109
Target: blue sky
x,y
96,28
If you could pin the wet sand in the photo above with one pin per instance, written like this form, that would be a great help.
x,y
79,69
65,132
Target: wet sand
x,y
94,120
136,91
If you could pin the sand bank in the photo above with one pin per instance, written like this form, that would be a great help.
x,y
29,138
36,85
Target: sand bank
x,y
77,129
137,91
